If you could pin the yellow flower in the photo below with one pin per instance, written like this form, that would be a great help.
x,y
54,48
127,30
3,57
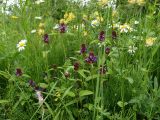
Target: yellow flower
x,y
65,15
132,1
114,13
85,33
85,17
70,17
41,31
14,17
150,41
102,2
41,25
100,19
139,2
63,21
96,13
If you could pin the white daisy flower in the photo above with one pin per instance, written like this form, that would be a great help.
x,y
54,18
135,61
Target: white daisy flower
x,y
33,31
39,1
38,18
21,45
132,49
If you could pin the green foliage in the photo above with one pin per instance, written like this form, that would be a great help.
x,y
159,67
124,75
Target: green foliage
x,y
56,81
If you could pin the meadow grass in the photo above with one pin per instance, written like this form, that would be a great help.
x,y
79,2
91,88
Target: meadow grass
x,y
102,62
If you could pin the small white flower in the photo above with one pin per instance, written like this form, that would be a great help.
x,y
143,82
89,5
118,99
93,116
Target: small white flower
x,y
112,4
39,1
21,45
56,26
132,49
33,31
85,2
125,28
38,18
39,96
136,22
95,23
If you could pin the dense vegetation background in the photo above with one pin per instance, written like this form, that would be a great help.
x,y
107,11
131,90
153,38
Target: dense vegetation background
x,y
92,60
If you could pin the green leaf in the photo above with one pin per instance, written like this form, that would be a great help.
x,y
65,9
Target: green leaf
x,y
43,85
71,94
155,83
49,108
66,92
85,93
27,76
122,104
3,101
91,77
5,74
130,80
82,73
89,106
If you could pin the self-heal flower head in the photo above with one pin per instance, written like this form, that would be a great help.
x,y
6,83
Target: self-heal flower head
x,y
76,66
32,83
103,70
107,50
91,58
83,49
46,38
18,72
114,34
62,28
21,45
101,36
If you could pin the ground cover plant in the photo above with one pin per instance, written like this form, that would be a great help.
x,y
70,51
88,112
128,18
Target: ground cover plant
x,y
80,60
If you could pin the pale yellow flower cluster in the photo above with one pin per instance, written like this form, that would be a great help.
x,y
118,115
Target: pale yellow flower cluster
x,y
139,2
68,17
150,41
97,19
102,2
41,29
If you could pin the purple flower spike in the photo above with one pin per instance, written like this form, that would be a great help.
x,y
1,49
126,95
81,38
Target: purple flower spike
x,y
83,49
101,36
114,35
46,38
62,28
91,58
76,66
32,83
18,72
107,50
102,69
